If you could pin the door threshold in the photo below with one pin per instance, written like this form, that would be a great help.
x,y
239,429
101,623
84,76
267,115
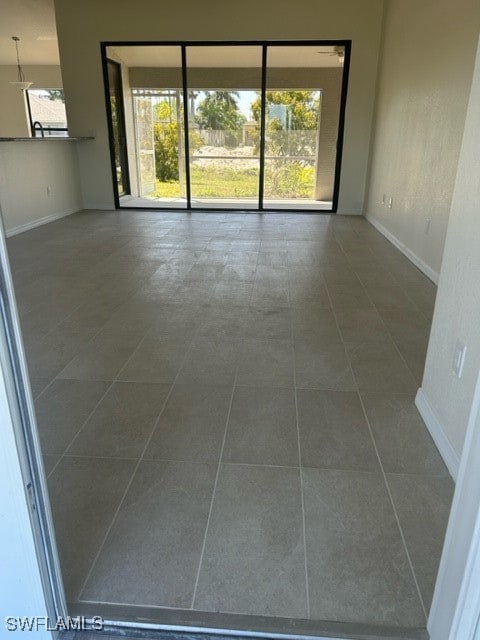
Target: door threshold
x,y
159,623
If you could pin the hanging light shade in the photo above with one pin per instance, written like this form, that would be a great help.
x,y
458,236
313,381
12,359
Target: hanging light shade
x,y
21,83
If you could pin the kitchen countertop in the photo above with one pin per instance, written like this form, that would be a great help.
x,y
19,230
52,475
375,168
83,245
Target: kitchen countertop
x,y
46,139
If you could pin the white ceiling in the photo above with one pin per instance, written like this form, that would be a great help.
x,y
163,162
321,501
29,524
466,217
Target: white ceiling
x,y
230,56
33,21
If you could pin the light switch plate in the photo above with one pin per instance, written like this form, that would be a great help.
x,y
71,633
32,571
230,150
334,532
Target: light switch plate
x,y
459,358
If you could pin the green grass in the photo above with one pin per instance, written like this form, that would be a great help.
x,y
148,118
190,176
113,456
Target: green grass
x,y
288,181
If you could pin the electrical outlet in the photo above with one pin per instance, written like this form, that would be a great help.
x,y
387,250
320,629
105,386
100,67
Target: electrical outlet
x,y
459,358
390,202
428,222
384,199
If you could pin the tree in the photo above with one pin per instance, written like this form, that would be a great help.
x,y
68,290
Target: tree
x,y
55,94
291,134
292,121
219,111
166,139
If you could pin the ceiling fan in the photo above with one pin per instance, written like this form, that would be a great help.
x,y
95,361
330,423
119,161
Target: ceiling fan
x,y
338,52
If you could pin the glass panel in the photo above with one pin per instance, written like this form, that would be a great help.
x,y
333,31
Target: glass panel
x,y
223,134
118,126
47,109
303,89
154,116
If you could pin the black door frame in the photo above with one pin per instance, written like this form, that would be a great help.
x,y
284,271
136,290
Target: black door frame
x,y
264,44
123,151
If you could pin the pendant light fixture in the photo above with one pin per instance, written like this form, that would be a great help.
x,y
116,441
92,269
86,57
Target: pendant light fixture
x,y
21,83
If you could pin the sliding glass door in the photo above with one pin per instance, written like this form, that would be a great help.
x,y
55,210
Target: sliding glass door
x,y
224,82
232,126
302,106
117,120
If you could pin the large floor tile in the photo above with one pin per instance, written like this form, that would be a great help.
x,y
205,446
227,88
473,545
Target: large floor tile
x,y
270,293
423,507
62,410
122,422
361,325
349,295
84,496
262,427
388,295
333,431
423,295
47,356
210,360
402,439
152,553
38,385
157,359
315,326
179,322
223,320
357,565
49,462
94,316
307,292
266,363
232,292
323,367
270,323
410,332
254,557
379,367
192,425
104,356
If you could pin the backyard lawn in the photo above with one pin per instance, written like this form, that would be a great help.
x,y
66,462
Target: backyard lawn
x,y
285,181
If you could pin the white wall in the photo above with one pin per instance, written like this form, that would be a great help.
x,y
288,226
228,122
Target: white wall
x,y
82,25
13,110
457,311
27,169
424,83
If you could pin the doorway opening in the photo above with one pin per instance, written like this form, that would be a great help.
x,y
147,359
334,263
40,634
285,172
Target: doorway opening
x,y
233,126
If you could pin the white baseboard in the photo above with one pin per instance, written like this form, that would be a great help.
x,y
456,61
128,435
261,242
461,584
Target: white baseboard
x,y
437,432
38,222
418,262
349,212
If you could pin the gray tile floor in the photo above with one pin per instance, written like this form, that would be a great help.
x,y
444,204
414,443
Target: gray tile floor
x,y
225,406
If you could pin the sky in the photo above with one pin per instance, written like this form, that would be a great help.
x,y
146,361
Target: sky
x,y
244,102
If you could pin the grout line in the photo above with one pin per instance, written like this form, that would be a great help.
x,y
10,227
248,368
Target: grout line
x,y
302,492
94,291
167,608
107,391
256,464
214,489
250,299
397,518
56,377
122,499
386,327
387,486
80,429
397,348
54,466
111,383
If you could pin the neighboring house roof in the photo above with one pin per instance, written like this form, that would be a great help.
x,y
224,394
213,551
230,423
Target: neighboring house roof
x,y
45,110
